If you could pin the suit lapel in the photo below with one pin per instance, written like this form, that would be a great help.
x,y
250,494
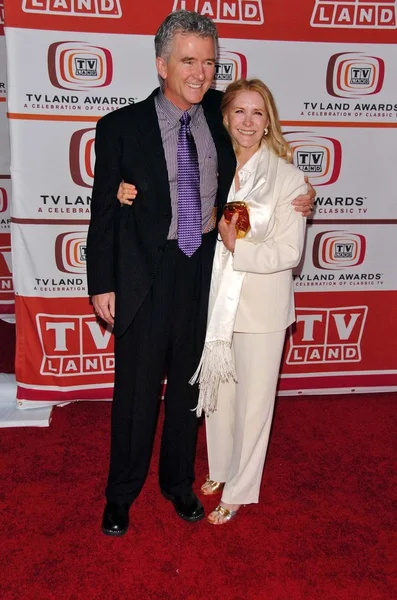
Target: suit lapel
x,y
226,158
149,139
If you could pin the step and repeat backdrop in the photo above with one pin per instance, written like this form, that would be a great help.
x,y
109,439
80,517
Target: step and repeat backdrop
x,y
7,304
332,66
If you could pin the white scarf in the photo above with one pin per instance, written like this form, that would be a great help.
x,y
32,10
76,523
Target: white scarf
x,y
217,363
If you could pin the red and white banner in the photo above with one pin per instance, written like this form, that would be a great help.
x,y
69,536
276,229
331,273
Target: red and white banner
x,y
362,21
332,66
341,342
66,354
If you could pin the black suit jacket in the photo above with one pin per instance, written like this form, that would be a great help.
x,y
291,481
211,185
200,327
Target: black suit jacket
x,y
125,243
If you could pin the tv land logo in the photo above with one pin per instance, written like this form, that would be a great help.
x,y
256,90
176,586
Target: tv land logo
x,y
79,66
355,14
3,200
354,74
71,252
105,9
229,67
327,335
335,250
74,345
238,12
6,285
319,157
82,157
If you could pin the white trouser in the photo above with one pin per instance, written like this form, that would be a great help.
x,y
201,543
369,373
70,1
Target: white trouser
x,y
238,431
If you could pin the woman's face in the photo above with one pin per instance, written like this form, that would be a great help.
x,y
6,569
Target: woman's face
x,y
246,118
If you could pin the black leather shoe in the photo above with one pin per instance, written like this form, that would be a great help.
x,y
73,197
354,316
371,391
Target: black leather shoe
x,y
188,507
115,519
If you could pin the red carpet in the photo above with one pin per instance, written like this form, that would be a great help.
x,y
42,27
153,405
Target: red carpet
x,y
325,528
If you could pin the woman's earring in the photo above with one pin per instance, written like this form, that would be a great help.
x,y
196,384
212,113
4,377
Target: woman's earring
x,y
266,131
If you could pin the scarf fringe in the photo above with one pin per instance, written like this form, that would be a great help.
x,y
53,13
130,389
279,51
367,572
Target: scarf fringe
x,y
216,366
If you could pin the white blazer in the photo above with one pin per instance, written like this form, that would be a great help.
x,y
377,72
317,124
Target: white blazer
x,y
267,298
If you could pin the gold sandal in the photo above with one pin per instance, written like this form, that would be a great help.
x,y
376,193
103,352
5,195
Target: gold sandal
x,y
227,515
211,487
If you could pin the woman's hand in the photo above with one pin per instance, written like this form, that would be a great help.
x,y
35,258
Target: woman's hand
x,y
126,193
228,232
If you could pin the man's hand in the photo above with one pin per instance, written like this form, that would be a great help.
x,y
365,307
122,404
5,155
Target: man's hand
x,y
304,203
104,305
126,193
228,232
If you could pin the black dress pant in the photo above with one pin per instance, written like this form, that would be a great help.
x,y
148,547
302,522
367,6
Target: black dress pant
x,y
165,337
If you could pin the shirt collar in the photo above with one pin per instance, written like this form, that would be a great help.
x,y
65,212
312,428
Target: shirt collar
x,y
250,166
171,112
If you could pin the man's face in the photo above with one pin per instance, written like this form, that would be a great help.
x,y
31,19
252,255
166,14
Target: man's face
x,y
189,70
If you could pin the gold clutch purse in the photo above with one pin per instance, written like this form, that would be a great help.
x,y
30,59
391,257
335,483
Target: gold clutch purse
x,y
243,222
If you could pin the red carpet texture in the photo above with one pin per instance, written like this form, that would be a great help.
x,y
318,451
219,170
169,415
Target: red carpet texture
x,y
325,528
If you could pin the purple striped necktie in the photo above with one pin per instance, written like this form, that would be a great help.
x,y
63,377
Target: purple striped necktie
x,y
189,200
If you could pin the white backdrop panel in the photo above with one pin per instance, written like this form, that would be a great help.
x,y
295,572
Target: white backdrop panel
x,y
55,175
3,67
78,74
52,260
350,169
95,72
348,258
4,140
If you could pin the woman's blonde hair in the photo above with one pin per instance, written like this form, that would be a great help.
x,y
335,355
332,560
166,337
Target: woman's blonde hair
x,y
274,139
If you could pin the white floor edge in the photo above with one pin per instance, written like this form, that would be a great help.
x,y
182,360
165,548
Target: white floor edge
x,y
11,416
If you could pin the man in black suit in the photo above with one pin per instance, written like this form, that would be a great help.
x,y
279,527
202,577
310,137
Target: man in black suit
x,y
139,277
141,280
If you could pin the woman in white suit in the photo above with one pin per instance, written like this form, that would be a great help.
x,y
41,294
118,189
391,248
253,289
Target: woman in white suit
x,y
251,300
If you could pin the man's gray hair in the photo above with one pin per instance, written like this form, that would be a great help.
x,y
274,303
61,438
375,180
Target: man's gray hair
x,y
183,21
